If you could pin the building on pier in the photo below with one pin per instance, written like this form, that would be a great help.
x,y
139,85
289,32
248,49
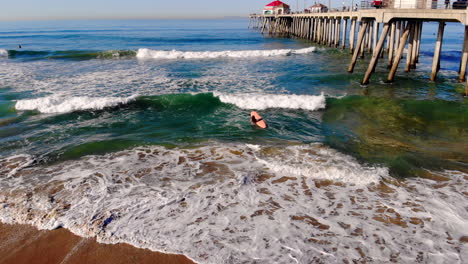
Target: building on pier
x,y
408,4
276,8
318,8
399,4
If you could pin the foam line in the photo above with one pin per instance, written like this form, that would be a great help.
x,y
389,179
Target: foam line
x,y
61,104
175,54
264,101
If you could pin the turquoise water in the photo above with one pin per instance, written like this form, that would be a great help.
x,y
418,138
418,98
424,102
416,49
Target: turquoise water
x,y
105,103
76,55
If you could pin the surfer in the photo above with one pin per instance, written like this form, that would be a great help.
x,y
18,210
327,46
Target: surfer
x,y
257,120
19,46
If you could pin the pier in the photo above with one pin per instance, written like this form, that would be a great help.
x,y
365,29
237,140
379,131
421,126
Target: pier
x,y
400,29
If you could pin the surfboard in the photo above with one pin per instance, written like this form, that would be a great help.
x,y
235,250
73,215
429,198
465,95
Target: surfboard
x,y
258,120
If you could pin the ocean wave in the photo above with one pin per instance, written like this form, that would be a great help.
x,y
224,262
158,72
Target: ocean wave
x,y
63,104
71,54
264,101
176,54
149,54
3,53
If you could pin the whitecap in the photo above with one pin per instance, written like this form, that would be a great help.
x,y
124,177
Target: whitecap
x,y
3,53
176,54
62,104
264,101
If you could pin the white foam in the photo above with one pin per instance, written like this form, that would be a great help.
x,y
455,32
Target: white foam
x,y
247,204
334,166
176,54
108,78
143,189
62,104
264,101
3,53
11,165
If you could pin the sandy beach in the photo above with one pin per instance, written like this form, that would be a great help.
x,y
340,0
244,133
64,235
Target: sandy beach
x,y
25,244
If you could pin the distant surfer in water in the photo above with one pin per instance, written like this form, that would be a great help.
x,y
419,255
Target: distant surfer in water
x,y
19,46
257,120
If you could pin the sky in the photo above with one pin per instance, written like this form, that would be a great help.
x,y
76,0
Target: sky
x,y
14,10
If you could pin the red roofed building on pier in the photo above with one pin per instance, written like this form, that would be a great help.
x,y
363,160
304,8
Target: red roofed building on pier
x,y
276,8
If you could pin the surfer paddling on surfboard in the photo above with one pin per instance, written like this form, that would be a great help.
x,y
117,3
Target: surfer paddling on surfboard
x,y
257,120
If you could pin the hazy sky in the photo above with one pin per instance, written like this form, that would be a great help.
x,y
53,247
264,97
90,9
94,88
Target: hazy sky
x,y
89,9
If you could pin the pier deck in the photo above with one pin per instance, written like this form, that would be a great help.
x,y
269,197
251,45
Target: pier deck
x,y
385,15
400,29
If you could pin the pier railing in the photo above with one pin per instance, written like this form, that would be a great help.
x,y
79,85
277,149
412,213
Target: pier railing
x,y
401,34
387,5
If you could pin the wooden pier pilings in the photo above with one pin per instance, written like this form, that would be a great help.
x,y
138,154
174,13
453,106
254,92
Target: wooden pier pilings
x,y
401,28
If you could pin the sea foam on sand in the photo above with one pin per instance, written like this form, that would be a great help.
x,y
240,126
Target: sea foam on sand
x,y
226,203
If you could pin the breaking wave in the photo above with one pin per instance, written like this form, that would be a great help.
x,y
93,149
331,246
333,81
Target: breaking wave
x,y
176,54
264,101
145,53
62,104
3,53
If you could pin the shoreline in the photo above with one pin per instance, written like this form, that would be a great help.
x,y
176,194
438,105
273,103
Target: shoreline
x,y
26,244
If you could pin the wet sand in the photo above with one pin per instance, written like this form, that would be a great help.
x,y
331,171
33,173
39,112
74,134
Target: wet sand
x,y
25,244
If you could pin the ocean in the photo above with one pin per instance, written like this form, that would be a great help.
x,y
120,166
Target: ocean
x,y
138,131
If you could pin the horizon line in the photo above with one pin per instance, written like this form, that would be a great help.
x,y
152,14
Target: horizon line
x,y
120,18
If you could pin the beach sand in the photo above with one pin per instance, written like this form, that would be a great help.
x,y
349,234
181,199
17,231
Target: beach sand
x,y
25,244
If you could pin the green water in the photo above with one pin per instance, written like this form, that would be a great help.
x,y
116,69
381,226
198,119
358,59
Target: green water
x,y
405,135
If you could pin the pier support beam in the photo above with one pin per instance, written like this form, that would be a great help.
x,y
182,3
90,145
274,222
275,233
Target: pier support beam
x,y
369,36
375,56
418,48
396,61
337,32
415,46
464,58
343,38
438,49
409,53
362,32
320,31
397,36
375,33
263,26
309,29
466,88
391,44
364,43
351,35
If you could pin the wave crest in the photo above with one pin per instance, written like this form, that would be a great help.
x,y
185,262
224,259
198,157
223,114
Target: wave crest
x,y
62,104
176,54
3,53
264,101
